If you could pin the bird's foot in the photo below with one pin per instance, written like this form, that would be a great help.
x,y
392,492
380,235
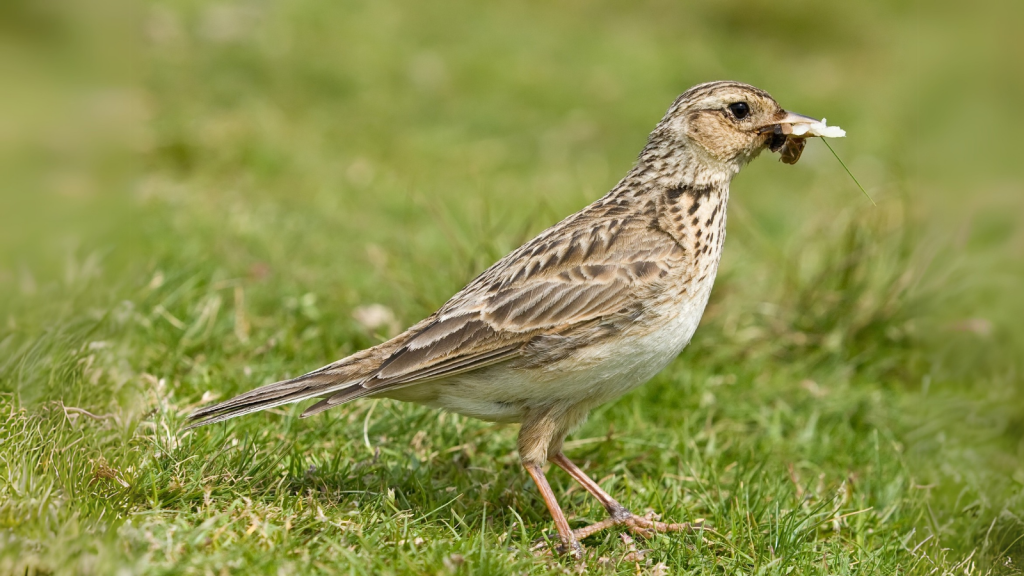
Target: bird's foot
x,y
648,525
644,526
571,548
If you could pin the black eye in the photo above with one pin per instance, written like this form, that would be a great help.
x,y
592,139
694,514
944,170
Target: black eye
x,y
740,110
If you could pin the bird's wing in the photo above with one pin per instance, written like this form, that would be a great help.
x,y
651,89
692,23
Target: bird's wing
x,y
582,277
578,272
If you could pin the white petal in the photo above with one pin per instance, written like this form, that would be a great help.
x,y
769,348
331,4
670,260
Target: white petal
x,y
818,129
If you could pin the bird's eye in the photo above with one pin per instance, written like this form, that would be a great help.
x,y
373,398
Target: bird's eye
x,y
740,110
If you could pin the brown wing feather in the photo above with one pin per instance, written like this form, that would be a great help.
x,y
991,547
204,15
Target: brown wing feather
x,y
579,275
551,285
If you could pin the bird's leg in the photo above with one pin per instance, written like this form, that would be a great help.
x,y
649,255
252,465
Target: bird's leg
x,y
569,544
618,514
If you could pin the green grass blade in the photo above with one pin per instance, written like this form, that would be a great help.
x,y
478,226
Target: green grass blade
x,y
866,195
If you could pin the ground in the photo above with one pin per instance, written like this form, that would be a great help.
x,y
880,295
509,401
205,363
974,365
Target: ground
x,y
200,198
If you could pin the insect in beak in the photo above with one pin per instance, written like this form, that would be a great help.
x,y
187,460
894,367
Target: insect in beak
x,y
788,147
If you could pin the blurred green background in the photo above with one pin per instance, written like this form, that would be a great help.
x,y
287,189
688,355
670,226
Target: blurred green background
x,y
196,196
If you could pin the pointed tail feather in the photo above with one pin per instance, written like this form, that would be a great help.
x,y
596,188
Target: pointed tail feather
x,y
340,397
313,385
343,378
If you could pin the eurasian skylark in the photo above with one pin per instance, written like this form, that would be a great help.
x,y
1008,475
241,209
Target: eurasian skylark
x,y
589,309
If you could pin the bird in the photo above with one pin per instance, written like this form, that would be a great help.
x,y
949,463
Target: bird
x,y
586,311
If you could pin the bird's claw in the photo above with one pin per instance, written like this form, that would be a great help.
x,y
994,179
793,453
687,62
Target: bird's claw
x,y
644,526
647,526
572,549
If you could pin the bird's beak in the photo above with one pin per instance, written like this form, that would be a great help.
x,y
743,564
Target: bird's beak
x,y
785,124
789,148
794,118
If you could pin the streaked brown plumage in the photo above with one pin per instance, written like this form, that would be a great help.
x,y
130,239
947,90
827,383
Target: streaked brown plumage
x,y
587,310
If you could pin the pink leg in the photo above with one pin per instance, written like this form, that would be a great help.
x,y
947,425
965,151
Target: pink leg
x,y
569,542
619,515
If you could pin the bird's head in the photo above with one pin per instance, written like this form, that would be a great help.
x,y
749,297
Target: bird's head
x,y
724,125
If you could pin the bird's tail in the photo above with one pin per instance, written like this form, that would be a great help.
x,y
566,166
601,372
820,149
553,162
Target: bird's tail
x,y
328,380
341,381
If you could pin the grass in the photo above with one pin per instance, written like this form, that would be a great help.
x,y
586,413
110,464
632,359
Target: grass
x,y
197,197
